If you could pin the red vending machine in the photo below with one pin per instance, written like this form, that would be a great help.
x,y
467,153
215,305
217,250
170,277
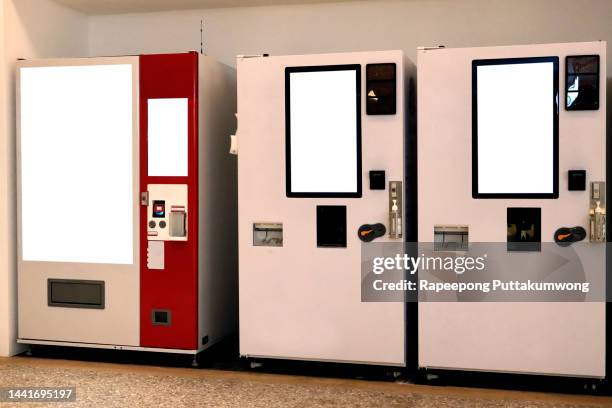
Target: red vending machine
x,y
133,152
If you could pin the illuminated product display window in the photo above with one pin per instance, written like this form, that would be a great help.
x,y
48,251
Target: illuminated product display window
x,y
64,110
515,128
323,125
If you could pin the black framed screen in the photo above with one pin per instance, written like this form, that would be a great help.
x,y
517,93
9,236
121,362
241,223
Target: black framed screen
x,y
515,128
323,131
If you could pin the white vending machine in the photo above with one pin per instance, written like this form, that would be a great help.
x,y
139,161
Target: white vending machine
x,y
321,172
126,202
512,150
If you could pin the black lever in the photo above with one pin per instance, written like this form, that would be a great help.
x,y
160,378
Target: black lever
x,y
369,232
566,236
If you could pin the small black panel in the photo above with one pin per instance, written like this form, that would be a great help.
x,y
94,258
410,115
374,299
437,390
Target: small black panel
x,y
582,82
381,89
331,226
377,180
576,180
82,294
524,229
161,317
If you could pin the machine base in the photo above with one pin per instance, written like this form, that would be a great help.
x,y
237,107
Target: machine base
x,y
338,369
315,360
514,381
450,371
107,346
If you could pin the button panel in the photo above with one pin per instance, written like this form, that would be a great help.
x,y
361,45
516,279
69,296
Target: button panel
x,y
167,212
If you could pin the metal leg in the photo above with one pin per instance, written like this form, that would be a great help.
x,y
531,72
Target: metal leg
x,y
194,362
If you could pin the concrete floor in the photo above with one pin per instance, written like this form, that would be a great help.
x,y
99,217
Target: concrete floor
x,y
124,385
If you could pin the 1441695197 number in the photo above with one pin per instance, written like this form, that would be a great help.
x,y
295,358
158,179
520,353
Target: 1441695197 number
x,y
35,394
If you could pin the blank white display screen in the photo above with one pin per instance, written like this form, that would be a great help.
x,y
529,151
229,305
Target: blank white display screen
x,y
323,132
77,173
167,137
516,134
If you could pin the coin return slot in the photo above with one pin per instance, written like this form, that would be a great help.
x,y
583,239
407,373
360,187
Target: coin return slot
x,y
451,238
268,234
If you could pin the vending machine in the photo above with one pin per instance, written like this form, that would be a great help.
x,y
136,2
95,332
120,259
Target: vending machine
x,y
512,151
126,202
321,150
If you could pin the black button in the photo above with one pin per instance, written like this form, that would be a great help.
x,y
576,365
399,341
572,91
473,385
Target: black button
x,y
576,180
377,180
152,224
162,224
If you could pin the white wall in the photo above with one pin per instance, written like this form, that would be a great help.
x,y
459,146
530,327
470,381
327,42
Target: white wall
x,y
29,29
356,26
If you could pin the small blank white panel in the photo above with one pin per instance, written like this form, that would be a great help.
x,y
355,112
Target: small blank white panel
x,y
324,132
516,128
77,172
167,137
